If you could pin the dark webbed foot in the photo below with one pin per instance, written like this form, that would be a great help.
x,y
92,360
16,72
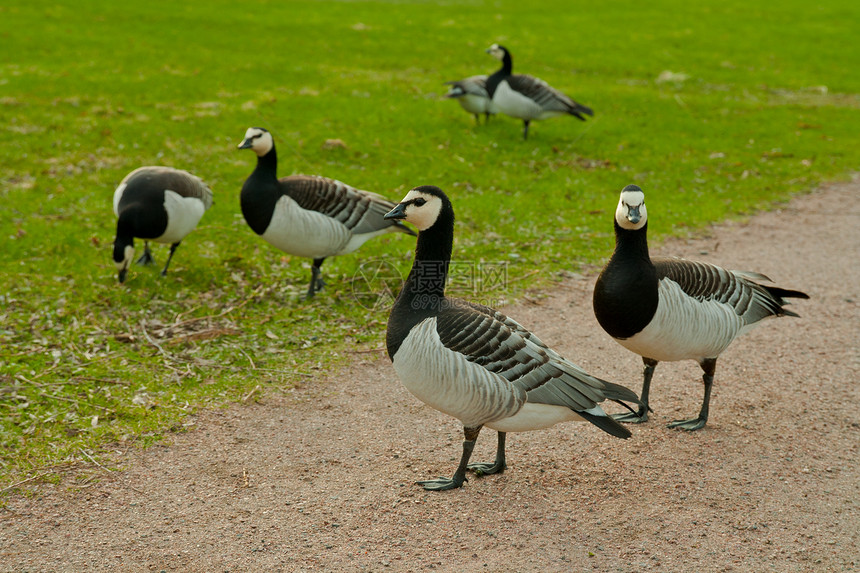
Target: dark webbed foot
x,y
498,465
146,257
443,483
315,286
486,469
637,417
459,476
690,425
317,283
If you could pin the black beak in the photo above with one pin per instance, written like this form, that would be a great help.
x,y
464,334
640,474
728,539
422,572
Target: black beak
x,y
633,214
399,212
122,274
246,143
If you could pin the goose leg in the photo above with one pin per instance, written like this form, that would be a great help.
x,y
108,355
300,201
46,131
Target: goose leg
x,y
487,117
317,283
478,118
146,257
642,414
169,258
459,476
708,365
525,129
498,466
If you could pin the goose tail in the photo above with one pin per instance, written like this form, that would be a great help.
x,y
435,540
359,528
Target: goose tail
x,y
578,110
620,395
780,294
607,424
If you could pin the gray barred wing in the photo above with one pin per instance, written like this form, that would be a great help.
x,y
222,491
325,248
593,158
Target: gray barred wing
x,y
359,211
736,289
502,346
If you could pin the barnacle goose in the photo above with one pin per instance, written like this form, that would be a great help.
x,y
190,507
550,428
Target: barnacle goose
x,y
473,362
526,97
155,203
667,309
306,215
471,93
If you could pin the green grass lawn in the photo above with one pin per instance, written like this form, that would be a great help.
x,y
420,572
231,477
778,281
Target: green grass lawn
x,y
762,104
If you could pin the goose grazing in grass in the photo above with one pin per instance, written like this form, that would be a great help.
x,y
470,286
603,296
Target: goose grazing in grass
x,y
309,216
474,363
667,309
526,97
471,94
160,204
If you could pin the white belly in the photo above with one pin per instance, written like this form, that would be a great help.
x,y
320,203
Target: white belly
x,y
535,417
356,240
515,104
183,214
446,381
305,233
476,104
684,328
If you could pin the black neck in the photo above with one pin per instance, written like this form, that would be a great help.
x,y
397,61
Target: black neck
x,y
505,71
631,244
507,64
124,238
423,292
261,192
625,295
268,164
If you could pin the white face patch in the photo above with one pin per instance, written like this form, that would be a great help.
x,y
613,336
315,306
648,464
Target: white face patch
x,y
423,209
496,51
128,254
261,141
631,213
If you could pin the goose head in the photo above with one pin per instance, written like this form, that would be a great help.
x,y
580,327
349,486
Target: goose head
x,y
123,253
631,213
258,139
498,52
422,207
455,91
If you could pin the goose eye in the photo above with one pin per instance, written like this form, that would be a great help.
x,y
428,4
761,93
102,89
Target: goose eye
x,y
420,202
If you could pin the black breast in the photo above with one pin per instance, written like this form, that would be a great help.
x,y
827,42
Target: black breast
x,y
141,208
258,199
625,296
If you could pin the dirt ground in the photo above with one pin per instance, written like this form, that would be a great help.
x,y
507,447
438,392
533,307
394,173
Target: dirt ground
x,y
322,479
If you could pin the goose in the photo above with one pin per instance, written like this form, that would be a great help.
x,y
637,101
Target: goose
x,y
306,215
156,203
474,363
471,94
526,97
669,309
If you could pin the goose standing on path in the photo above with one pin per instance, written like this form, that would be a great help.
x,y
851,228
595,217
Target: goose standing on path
x,y
668,309
155,203
474,363
471,94
526,97
309,216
